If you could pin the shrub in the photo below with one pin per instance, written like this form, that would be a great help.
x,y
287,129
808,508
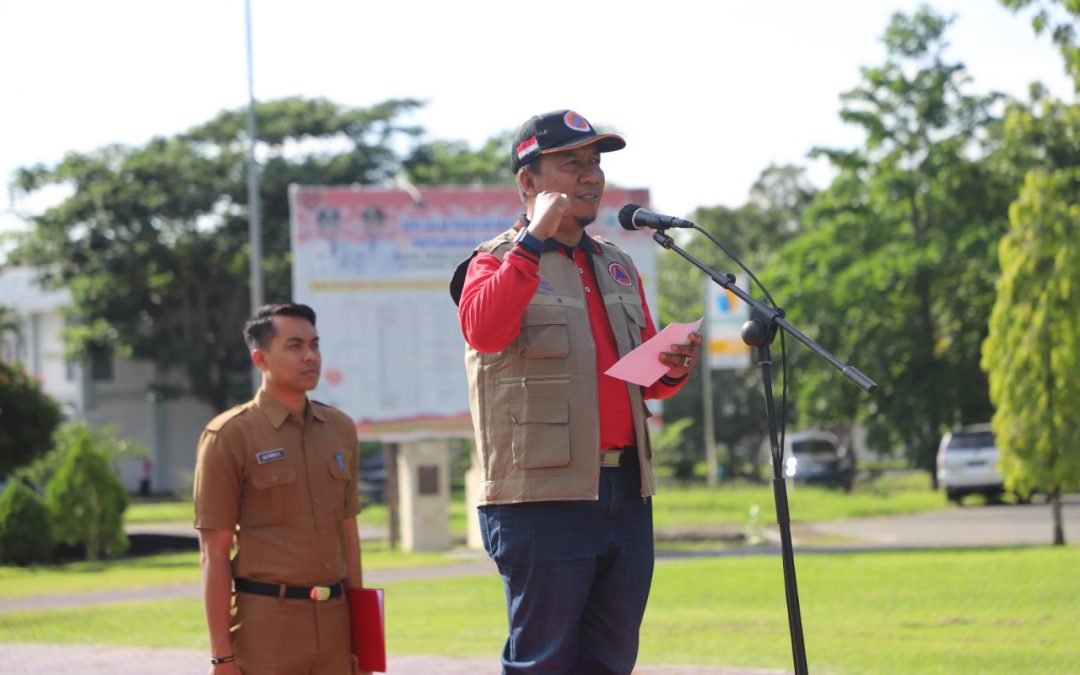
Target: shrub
x,y
86,498
28,418
25,532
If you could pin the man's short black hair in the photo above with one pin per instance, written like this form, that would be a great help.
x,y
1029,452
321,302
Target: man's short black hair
x,y
259,329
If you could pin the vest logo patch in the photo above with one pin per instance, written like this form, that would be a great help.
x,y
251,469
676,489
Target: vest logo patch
x,y
620,275
546,287
270,455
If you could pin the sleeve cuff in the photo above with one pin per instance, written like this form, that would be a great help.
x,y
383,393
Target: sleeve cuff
x,y
672,381
530,243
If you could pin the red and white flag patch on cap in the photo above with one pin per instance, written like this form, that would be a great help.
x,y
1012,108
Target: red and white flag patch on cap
x,y
527,147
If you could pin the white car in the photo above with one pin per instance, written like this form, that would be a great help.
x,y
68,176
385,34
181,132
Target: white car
x,y
967,464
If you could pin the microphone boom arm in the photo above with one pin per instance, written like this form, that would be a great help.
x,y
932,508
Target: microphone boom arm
x,y
770,315
759,332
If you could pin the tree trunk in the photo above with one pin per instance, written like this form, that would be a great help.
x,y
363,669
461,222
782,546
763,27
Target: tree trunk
x,y
1055,508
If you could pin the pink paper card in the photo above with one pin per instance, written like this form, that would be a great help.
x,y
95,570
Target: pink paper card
x,y
642,365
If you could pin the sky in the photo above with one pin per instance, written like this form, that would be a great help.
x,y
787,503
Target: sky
x,y
707,94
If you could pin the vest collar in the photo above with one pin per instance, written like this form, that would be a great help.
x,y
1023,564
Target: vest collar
x,y
587,243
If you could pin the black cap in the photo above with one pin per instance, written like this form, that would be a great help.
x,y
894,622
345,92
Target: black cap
x,y
556,131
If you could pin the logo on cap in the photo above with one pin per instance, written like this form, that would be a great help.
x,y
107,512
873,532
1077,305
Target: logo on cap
x,y
620,275
576,122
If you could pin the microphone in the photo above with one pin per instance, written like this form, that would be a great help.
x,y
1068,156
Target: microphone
x,y
633,217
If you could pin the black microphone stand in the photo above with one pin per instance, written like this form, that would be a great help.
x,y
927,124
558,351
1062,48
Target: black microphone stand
x,y
759,332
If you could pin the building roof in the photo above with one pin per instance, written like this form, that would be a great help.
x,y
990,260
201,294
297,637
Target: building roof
x,y
21,291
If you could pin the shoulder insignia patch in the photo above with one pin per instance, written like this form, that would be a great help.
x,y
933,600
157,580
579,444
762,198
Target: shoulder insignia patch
x,y
620,275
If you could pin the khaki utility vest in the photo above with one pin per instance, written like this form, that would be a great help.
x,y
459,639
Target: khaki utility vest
x,y
534,404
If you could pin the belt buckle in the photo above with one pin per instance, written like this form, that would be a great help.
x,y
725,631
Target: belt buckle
x,y
610,458
320,593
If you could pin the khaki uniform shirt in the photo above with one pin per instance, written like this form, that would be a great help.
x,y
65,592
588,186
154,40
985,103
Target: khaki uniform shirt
x,y
285,485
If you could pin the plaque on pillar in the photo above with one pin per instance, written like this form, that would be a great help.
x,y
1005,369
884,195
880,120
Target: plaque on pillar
x,y
428,480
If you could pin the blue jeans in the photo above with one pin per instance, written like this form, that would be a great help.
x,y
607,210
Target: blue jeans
x,y
577,577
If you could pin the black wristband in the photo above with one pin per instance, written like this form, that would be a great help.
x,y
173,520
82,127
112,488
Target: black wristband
x,y
527,241
218,660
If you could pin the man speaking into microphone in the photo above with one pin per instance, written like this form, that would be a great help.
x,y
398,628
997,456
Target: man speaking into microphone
x,y
567,478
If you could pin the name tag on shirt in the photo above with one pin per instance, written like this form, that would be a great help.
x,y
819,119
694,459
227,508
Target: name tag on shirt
x,y
270,455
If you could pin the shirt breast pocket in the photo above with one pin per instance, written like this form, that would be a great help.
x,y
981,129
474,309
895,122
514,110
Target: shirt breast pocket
x,y
339,488
267,503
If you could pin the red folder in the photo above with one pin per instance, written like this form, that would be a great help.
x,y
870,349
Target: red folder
x,y
368,628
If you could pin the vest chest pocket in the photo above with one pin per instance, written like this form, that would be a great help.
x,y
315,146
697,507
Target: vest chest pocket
x,y
635,323
541,436
267,503
543,333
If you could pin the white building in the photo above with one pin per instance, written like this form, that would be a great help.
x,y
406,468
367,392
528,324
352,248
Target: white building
x,y
105,391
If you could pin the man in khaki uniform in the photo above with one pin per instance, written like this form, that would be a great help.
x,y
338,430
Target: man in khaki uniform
x,y
276,480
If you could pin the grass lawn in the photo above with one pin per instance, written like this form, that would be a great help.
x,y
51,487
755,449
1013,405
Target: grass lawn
x,y
904,492
164,570
978,611
891,493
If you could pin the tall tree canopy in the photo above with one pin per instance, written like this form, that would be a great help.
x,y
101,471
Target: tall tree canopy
x,y
152,241
1034,334
1032,353
754,232
895,270
442,162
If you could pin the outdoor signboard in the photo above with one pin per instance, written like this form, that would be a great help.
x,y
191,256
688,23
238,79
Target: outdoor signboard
x,y
375,264
725,315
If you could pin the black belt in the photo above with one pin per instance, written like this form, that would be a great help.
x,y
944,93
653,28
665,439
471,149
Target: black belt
x,y
316,593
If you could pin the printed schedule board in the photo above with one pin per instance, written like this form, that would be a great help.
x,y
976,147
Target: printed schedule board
x,y
376,264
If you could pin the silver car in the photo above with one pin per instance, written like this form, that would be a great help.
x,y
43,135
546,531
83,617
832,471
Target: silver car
x,y
967,464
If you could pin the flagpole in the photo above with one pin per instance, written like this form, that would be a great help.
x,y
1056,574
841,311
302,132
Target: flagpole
x,y
254,222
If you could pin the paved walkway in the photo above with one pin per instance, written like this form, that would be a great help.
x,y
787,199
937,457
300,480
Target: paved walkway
x,y
49,659
42,659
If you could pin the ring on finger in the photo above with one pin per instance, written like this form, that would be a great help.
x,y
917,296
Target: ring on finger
x,y
687,361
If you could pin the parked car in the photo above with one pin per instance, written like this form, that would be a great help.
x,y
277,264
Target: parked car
x,y
818,458
967,464
373,479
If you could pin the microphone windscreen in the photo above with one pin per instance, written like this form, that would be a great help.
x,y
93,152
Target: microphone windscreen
x,y
626,216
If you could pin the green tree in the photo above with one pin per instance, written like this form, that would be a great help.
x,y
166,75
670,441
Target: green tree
x,y
104,437
28,418
1032,352
754,232
25,529
455,163
86,498
895,269
153,240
